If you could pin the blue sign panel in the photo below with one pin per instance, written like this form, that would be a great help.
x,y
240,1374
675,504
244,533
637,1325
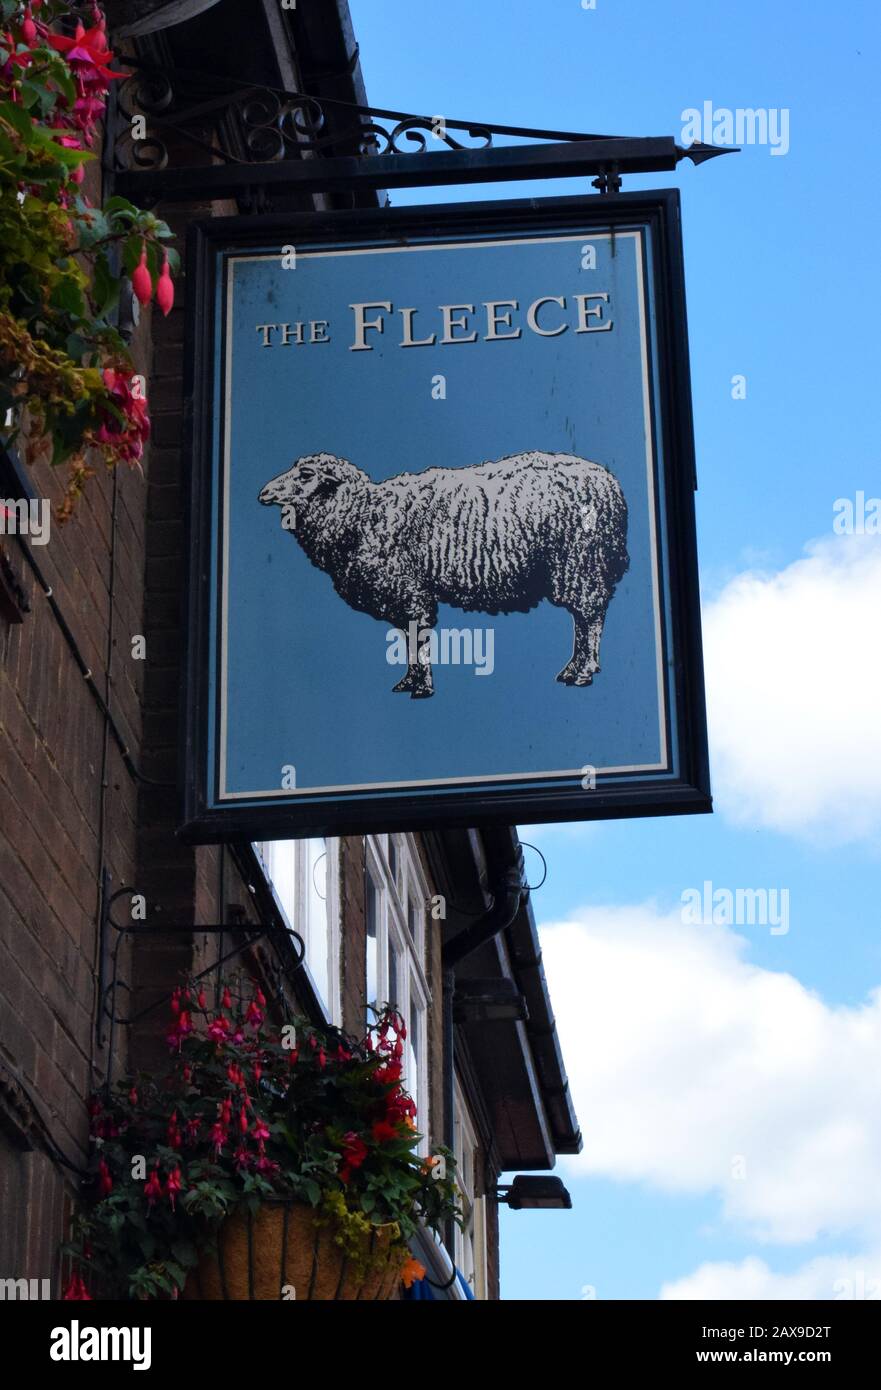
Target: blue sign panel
x,y
443,563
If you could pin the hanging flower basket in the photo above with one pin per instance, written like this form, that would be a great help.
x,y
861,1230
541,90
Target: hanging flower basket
x,y
284,1251
273,1160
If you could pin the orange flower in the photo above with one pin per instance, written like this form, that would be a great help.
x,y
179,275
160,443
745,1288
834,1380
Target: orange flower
x,y
411,1272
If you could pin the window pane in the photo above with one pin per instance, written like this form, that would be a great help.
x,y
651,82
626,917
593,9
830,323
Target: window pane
x,y
316,860
393,858
394,974
414,910
413,1026
372,914
281,869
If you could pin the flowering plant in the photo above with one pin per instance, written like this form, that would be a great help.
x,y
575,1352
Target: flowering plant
x,y
63,261
249,1112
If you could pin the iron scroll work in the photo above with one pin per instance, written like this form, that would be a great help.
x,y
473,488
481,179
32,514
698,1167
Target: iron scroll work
x,y
205,135
466,424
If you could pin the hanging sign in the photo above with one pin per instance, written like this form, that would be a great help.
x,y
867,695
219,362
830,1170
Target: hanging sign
x,y
443,558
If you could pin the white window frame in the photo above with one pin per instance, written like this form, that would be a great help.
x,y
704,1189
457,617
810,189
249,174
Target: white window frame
x,y
470,1244
394,896
299,918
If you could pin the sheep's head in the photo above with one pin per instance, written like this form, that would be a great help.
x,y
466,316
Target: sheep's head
x,y
313,478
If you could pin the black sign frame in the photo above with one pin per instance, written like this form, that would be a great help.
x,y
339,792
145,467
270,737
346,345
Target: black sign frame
x,y
636,795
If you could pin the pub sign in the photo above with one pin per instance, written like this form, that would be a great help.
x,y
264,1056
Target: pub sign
x,y
442,529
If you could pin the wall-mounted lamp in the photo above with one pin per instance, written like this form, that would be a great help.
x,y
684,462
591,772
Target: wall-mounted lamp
x,y
488,1001
535,1194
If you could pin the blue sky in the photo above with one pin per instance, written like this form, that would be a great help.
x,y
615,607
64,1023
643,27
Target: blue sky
x,y
726,1078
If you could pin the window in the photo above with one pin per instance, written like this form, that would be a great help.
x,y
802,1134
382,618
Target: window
x,y
303,878
470,1243
396,895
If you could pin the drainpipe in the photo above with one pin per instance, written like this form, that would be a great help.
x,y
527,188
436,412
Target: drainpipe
x,y
505,903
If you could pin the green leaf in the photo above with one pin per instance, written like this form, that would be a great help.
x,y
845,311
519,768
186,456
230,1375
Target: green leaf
x,y
76,347
69,158
131,252
154,261
93,228
105,286
68,296
184,1252
18,118
178,1275
116,206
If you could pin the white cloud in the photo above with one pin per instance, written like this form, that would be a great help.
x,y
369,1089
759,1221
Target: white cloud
x,y
793,669
842,1278
690,1066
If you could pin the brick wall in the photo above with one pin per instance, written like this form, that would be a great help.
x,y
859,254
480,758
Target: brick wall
x,y
56,836
353,943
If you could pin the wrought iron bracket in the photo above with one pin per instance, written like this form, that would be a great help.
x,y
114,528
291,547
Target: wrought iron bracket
x,y
255,137
109,987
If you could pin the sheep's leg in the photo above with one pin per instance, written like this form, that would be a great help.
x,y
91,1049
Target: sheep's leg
x,y
584,663
418,681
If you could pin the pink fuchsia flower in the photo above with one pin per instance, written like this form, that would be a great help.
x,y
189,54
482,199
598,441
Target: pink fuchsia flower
x,y
76,1290
253,1015
242,1158
87,54
202,999
173,1186
105,1181
165,289
15,60
128,436
260,1131
267,1165
218,1030
354,1154
227,999
153,1187
321,1059
142,284
87,112
132,1096
174,1132
218,1138
243,1120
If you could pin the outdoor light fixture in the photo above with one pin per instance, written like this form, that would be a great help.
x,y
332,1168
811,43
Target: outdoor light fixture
x,y
488,1001
535,1194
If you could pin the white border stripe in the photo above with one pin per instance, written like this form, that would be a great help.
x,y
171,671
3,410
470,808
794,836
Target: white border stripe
x,y
487,778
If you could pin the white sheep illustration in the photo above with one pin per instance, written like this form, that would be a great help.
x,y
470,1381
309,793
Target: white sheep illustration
x,y
493,538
